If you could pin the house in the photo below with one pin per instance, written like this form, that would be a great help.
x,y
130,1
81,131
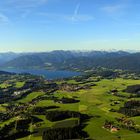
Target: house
x,y
114,129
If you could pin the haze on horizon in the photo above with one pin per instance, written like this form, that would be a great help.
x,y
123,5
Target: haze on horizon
x,y
45,25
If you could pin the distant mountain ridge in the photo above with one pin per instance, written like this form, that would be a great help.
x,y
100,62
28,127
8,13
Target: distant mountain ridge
x,y
8,56
73,60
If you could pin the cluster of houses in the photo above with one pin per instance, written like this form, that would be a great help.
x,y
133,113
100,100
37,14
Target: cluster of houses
x,y
74,87
125,121
109,125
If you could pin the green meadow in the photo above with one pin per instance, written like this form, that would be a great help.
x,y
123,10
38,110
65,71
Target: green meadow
x,y
95,102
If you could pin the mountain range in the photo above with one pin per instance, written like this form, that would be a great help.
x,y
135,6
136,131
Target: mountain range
x,y
72,60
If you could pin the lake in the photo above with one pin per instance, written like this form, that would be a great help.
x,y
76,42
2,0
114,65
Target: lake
x,y
48,74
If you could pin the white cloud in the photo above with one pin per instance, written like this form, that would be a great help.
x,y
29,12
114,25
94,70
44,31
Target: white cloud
x,y
79,17
65,17
25,3
76,11
118,8
3,19
116,12
76,17
22,7
112,8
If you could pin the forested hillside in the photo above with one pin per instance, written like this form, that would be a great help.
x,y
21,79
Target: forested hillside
x,y
74,60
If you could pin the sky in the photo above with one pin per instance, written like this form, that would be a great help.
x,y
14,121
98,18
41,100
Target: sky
x,y
45,25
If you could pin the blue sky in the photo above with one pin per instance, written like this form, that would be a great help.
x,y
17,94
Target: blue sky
x,y
44,25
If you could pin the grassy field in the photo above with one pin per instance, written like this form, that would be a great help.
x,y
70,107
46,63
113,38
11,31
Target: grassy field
x,y
96,102
2,108
30,97
4,85
19,84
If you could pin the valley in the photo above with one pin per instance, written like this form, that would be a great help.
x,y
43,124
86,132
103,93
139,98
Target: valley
x,y
93,105
69,70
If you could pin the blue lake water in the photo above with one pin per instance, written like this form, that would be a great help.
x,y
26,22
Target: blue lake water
x,y
48,74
